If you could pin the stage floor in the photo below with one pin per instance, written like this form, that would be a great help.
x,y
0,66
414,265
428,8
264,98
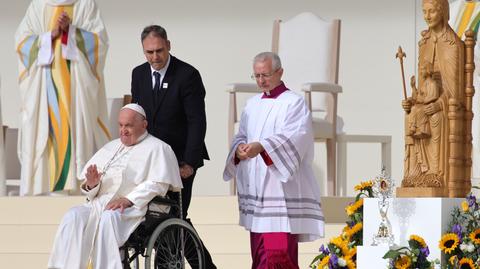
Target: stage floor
x,y
28,225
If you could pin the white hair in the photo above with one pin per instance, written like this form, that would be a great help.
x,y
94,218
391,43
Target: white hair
x,y
267,55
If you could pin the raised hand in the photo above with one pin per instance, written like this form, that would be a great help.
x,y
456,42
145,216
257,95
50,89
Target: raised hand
x,y
93,176
412,82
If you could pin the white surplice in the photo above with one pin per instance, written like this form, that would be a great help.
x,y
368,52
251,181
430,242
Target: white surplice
x,y
139,173
283,197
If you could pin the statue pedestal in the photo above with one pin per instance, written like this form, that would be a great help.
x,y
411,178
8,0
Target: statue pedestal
x,y
421,192
425,217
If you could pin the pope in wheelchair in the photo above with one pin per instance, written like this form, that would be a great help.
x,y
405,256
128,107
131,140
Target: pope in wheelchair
x,y
119,181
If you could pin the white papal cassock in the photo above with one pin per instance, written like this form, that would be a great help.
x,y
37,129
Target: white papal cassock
x,y
139,173
283,197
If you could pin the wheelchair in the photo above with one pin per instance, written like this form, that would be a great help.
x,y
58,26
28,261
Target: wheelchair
x,y
165,240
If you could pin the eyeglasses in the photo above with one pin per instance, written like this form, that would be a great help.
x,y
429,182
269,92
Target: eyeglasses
x,y
264,76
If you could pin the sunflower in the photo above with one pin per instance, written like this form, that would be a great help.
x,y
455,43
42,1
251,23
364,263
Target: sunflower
x,y
350,263
341,244
475,236
452,259
403,262
351,209
466,263
355,229
364,185
352,254
449,242
346,231
324,262
465,206
419,240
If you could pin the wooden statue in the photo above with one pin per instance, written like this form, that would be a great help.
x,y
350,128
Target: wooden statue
x,y
438,118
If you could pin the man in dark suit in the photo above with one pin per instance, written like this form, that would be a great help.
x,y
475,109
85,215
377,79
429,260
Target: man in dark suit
x,y
173,97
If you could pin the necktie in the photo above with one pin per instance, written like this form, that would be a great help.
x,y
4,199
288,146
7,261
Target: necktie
x,y
156,88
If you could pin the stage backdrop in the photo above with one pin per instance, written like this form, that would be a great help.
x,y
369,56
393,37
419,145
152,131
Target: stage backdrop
x,y
221,37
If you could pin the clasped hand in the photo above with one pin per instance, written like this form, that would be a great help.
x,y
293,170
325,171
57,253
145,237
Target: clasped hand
x,y
62,25
185,171
250,150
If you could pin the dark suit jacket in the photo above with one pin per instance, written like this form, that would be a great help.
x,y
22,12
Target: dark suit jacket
x,y
179,117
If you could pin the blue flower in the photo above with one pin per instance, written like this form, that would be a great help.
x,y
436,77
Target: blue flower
x,y
425,251
471,199
457,228
333,262
324,250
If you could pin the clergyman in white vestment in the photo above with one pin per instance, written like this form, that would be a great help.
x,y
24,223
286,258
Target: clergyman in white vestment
x,y
61,47
271,159
119,181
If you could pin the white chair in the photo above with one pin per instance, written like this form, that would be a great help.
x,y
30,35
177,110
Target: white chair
x,y
309,49
113,108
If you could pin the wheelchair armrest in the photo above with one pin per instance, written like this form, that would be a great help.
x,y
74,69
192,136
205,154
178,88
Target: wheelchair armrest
x,y
164,201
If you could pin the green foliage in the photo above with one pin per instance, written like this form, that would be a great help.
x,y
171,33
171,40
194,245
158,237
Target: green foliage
x,y
461,242
341,251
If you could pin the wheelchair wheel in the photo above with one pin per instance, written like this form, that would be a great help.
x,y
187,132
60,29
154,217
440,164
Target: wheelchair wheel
x,y
172,243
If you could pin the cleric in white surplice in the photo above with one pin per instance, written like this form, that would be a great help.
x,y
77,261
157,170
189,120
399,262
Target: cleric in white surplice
x,y
271,159
120,180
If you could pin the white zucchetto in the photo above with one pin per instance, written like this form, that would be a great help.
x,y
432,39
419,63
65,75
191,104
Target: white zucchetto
x,y
135,107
